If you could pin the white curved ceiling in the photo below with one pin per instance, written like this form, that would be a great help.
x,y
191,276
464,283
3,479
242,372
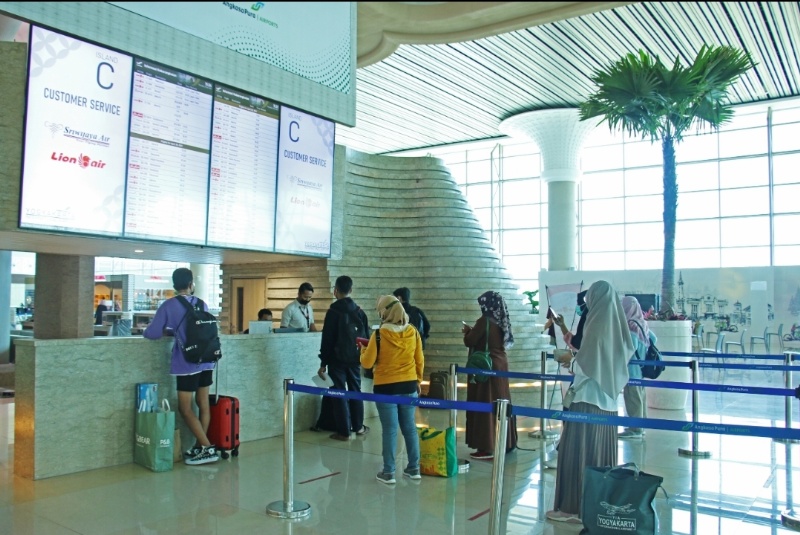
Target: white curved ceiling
x,y
429,95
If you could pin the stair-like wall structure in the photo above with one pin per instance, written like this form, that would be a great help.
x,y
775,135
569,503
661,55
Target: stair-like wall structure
x,y
405,222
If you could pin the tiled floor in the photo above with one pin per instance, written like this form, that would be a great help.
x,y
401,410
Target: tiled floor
x,y
741,489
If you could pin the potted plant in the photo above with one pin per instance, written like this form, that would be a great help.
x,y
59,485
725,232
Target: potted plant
x,y
641,95
531,295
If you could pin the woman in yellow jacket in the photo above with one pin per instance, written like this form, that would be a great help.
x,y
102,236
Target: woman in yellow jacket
x,y
395,354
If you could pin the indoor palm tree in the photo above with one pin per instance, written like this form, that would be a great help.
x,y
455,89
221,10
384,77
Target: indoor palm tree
x,y
641,95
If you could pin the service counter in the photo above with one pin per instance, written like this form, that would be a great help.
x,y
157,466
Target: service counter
x,y
75,399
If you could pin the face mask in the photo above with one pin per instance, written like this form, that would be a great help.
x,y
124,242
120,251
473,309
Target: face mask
x,y
580,310
303,301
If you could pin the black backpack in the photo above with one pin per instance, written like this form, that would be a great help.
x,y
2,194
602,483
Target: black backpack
x,y
350,328
202,334
439,385
415,319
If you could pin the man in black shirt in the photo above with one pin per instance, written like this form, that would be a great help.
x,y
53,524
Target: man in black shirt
x,y
416,317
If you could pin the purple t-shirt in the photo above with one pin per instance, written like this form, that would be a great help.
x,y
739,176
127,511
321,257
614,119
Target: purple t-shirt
x,y
169,317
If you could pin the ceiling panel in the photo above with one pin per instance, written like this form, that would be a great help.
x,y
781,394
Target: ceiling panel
x,y
429,95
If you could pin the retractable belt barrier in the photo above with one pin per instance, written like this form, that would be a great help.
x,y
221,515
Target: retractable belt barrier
x,y
290,509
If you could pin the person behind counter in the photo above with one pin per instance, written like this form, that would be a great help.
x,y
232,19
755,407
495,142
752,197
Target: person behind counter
x,y
192,380
103,306
299,314
264,314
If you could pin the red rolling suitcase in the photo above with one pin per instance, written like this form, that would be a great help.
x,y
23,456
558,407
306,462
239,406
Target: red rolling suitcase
x,y
223,430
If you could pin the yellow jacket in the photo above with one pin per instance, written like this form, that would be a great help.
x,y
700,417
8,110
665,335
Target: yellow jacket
x,y
400,359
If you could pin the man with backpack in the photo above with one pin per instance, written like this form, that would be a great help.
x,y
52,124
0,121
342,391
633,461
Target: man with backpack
x,y
416,317
340,357
193,379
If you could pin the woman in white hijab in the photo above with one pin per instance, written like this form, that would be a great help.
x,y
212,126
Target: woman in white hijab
x,y
601,372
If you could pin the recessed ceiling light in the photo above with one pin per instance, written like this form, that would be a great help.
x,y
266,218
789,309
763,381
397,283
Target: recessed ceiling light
x,y
138,250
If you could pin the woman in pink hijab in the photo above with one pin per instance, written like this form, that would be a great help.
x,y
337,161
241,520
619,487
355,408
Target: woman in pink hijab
x,y
634,396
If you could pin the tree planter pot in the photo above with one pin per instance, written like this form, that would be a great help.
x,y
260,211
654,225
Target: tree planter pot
x,y
673,336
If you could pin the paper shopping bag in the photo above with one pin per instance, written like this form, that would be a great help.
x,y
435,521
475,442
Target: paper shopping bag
x,y
437,451
154,434
618,499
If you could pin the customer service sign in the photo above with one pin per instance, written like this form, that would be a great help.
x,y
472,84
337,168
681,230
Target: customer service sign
x,y
309,39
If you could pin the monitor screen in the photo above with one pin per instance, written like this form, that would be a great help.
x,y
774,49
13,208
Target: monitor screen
x,y
244,144
305,184
260,327
170,146
76,136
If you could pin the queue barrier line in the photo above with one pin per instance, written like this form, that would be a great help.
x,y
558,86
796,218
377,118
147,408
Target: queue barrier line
x,y
293,510
425,403
720,365
650,383
700,354
658,423
720,355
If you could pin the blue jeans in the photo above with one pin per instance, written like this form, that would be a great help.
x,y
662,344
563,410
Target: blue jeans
x,y
391,416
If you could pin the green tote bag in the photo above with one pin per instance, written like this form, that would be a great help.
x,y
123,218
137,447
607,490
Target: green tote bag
x,y
154,433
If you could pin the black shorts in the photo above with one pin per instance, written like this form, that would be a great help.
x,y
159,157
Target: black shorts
x,y
191,383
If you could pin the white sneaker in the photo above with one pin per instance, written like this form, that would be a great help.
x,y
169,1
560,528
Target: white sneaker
x,y
629,434
207,455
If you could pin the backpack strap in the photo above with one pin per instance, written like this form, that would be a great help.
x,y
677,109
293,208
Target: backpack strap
x,y
189,308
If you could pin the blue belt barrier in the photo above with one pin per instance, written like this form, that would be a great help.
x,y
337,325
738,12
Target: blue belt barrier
x,y
657,423
648,383
724,355
427,403
723,365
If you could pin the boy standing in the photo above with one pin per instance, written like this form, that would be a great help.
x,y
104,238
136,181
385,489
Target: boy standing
x,y
191,379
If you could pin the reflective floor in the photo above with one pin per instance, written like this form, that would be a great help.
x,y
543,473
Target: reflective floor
x,y
741,489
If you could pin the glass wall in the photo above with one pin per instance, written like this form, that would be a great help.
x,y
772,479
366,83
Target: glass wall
x,y
738,196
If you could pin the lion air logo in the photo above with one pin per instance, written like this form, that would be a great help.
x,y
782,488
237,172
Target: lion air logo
x,y
83,160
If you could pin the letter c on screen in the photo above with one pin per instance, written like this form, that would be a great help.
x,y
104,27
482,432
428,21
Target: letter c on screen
x,y
100,66
291,132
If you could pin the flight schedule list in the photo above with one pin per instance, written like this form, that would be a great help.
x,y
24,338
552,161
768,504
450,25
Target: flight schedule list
x,y
168,155
241,207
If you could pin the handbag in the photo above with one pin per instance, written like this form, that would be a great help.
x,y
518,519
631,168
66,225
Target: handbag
x,y
437,452
654,355
154,433
619,500
368,372
481,360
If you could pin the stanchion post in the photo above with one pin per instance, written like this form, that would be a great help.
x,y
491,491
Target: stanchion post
x,y
694,452
463,464
788,360
498,465
543,432
288,507
789,517
453,394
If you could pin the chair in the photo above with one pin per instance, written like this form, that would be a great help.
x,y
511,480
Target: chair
x,y
717,349
698,337
779,334
740,343
763,339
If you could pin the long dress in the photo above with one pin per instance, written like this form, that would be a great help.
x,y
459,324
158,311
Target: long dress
x,y
480,433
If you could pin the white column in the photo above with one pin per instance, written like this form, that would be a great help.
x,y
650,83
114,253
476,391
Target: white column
x,y
560,136
205,287
5,305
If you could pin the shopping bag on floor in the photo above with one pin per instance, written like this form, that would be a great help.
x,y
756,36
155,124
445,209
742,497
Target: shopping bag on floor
x,y
437,452
619,499
154,433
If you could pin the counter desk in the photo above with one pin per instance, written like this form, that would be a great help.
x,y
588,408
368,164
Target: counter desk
x,y
75,398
